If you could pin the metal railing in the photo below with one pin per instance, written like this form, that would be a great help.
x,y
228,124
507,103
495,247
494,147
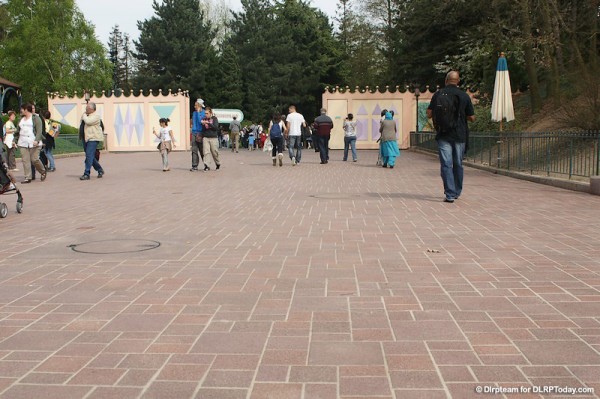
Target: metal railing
x,y
67,143
561,154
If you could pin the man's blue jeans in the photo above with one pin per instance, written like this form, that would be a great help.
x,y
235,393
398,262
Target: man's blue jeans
x,y
90,157
451,155
295,142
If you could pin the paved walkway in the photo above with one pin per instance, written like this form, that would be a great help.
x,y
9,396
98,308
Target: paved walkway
x,y
316,281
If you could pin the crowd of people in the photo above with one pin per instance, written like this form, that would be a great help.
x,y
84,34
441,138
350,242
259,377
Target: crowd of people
x,y
34,137
450,109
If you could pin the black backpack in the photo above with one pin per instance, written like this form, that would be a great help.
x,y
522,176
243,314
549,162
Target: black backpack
x,y
446,112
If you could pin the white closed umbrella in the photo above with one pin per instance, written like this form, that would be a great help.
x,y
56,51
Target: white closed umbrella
x,y
502,104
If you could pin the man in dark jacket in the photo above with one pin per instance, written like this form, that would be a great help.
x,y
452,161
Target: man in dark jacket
x,y
323,125
450,122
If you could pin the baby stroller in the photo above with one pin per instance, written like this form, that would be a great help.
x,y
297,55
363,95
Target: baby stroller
x,y
8,186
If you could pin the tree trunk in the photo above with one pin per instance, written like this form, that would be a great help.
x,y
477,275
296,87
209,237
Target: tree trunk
x,y
594,4
534,88
572,34
552,44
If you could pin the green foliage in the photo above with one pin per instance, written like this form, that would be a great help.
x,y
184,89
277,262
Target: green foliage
x,y
175,48
227,90
4,21
362,64
286,54
120,57
49,46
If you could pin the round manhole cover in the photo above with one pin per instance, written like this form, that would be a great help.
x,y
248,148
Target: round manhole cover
x,y
103,247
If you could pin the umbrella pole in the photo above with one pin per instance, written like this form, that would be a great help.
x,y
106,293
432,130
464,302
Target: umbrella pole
x,y
501,125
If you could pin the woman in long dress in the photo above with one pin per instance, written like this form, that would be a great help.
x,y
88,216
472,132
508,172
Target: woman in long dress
x,y
389,143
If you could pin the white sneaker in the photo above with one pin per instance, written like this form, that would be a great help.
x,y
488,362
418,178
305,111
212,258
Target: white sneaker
x,y
280,157
293,161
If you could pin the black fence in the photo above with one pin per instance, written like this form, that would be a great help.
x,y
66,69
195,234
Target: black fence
x,y
561,154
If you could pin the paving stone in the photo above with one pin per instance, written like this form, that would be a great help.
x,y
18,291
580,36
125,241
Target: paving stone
x,y
364,386
45,391
38,340
280,391
169,390
330,288
558,353
242,343
114,393
319,374
345,353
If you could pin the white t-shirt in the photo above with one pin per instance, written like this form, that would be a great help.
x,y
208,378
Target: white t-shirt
x,y
350,128
26,135
164,133
296,120
9,137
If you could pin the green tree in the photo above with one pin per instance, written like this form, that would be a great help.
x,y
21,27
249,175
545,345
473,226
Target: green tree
x,y
49,46
228,79
251,44
287,55
175,49
119,55
4,21
362,61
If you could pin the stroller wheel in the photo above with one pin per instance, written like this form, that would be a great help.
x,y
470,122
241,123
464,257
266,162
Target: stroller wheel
x,y
19,207
3,211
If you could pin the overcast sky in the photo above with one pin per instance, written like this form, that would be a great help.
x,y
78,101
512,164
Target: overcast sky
x,y
107,13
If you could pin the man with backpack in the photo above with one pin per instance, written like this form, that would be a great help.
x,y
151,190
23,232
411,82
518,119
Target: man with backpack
x,y
450,109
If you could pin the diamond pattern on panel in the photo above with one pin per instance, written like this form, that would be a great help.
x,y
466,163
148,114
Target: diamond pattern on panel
x,y
63,110
119,125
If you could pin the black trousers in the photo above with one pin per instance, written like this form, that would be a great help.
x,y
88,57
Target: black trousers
x,y
197,152
277,146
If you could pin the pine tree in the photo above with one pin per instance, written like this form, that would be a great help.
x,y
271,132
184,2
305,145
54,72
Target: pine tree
x,y
227,80
175,48
291,69
115,46
126,64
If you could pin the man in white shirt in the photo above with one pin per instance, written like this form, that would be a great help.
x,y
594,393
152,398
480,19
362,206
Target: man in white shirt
x,y
295,122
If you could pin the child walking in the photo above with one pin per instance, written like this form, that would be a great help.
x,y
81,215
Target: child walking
x,y
167,141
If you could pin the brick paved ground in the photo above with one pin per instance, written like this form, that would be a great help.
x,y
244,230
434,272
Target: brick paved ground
x,y
316,281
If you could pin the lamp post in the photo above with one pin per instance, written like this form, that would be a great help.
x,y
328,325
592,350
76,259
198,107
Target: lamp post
x,y
87,96
417,94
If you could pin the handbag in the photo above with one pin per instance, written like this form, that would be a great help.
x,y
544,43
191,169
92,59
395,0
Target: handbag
x,y
268,146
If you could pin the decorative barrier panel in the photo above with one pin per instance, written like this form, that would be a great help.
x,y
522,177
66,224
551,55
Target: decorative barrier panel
x,y
128,120
366,106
